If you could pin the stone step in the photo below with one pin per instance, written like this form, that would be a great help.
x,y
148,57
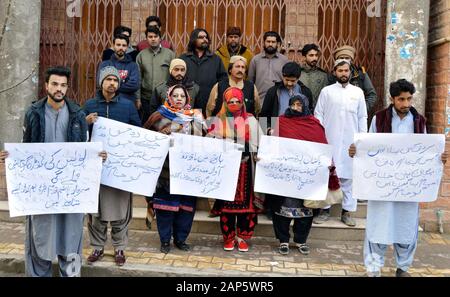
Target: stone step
x,y
202,204
333,229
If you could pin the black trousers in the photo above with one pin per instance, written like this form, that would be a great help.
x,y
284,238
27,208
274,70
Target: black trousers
x,y
301,228
144,112
245,223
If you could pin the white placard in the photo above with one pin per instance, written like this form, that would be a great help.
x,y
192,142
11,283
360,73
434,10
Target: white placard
x,y
49,178
293,168
205,171
397,167
135,155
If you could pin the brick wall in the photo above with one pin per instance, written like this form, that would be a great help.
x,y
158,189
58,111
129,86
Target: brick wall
x,y
438,104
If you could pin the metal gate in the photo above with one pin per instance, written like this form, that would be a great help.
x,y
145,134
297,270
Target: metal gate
x,y
75,32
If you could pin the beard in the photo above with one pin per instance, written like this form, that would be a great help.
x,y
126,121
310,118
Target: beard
x,y
402,111
203,46
178,77
342,79
312,64
54,97
120,54
270,50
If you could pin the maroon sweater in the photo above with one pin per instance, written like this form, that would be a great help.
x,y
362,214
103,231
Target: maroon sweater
x,y
384,120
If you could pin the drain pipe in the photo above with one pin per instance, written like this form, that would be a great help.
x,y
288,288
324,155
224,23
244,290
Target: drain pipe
x,y
440,214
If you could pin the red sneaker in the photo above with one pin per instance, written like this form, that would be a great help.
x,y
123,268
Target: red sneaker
x,y
243,246
229,245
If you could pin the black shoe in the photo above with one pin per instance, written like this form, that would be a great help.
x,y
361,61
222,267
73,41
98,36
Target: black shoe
x,y
401,273
182,246
284,248
165,247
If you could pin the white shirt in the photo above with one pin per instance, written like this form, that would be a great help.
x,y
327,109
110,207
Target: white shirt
x,y
342,111
391,222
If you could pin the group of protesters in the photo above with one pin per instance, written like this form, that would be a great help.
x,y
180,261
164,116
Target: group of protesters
x,y
228,94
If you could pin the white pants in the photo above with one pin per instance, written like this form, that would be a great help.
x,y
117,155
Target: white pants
x,y
348,202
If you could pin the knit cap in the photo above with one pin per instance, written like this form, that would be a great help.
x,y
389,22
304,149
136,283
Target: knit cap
x,y
107,71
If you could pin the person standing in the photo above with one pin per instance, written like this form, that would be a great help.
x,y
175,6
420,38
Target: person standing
x,y
203,67
153,20
54,118
154,64
341,109
358,75
174,213
314,77
238,218
129,71
177,72
391,222
115,206
234,47
265,68
296,123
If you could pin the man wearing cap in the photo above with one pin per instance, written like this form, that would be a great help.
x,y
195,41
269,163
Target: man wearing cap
x,y
341,109
314,77
236,78
154,63
359,76
233,47
177,72
114,205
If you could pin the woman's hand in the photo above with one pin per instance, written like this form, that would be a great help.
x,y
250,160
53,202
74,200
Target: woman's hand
x,y
103,155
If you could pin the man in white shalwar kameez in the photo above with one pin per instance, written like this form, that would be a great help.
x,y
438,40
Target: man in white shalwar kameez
x,y
341,109
390,222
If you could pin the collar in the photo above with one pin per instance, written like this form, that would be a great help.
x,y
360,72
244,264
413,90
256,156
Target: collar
x,y
395,114
103,100
239,84
265,55
157,51
338,84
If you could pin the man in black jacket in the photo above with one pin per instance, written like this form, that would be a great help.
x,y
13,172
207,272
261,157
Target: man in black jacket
x,y
203,67
277,98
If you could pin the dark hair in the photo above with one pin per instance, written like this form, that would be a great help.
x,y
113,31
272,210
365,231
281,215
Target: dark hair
x,y
193,38
272,34
57,70
399,86
291,69
123,37
120,29
152,18
308,47
153,29
341,64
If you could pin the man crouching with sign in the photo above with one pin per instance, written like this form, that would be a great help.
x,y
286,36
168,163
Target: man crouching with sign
x,y
402,217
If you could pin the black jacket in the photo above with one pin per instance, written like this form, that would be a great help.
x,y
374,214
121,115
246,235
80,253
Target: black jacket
x,y
271,101
34,123
206,72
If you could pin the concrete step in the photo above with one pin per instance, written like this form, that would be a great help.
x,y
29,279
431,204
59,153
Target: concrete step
x,y
334,229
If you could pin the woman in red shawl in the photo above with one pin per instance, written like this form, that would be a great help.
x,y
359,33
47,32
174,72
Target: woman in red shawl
x,y
235,124
297,123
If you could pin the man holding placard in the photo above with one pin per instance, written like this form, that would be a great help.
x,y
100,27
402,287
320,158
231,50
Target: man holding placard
x,y
54,118
393,222
114,205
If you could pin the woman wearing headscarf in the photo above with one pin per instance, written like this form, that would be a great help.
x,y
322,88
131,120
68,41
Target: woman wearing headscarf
x,y
238,218
297,123
174,213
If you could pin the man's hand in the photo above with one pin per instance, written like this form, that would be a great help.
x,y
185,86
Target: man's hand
x,y
138,104
92,118
3,156
352,150
444,157
103,155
